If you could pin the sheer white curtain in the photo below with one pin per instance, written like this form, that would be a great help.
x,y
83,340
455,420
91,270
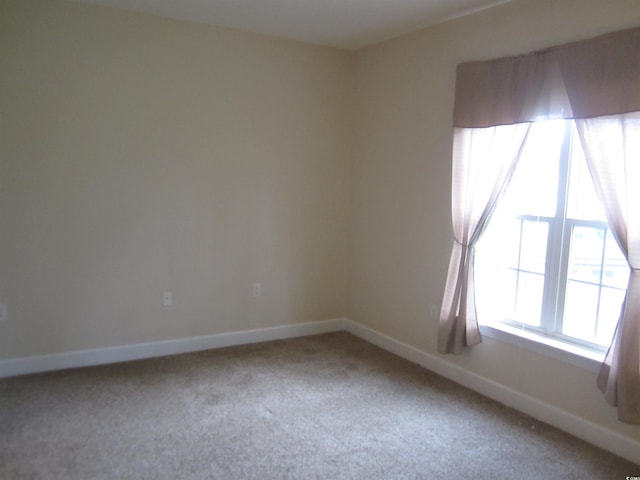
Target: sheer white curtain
x,y
483,162
612,149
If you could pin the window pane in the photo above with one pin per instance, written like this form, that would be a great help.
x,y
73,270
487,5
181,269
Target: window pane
x,y
533,253
495,263
580,309
616,269
500,243
529,299
582,300
534,186
582,200
585,258
610,302
510,244
496,292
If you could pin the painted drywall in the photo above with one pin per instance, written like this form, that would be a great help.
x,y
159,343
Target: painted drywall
x,y
140,155
401,226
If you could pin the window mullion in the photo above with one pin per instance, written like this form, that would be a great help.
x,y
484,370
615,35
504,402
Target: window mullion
x,y
564,249
558,246
602,260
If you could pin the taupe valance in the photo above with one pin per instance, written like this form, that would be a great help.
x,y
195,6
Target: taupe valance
x,y
586,79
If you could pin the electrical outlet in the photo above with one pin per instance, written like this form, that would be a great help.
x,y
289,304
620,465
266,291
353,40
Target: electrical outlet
x,y
3,313
167,299
256,290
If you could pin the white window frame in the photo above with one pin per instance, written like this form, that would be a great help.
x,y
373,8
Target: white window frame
x,y
548,339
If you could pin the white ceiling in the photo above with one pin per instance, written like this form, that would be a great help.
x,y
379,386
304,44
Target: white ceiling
x,y
348,24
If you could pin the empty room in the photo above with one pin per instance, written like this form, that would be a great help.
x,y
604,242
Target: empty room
x,y
297,239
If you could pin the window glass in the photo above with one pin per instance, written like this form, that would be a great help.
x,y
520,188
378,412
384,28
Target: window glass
x,y
616,268
582,199
533,250
548,261
585,259
534,186
580,310
496,264
529,298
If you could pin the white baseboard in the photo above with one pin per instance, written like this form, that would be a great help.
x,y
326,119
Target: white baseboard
x,y
84,358
566,421
579,427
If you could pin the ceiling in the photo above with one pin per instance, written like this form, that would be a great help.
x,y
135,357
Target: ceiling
x,y
347,24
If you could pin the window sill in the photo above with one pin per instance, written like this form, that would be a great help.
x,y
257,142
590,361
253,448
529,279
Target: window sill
x,y
571,354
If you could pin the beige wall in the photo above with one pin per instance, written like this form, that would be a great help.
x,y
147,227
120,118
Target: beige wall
x,y
139,155
401,227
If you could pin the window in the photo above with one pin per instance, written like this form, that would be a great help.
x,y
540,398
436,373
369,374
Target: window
x,y
547,262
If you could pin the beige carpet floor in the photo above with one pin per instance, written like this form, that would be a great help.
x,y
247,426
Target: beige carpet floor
x,y
321,407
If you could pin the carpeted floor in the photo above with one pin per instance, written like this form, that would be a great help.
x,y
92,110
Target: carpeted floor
x,y
322,407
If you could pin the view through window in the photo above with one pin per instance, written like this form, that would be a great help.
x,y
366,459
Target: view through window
x,y
548,262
